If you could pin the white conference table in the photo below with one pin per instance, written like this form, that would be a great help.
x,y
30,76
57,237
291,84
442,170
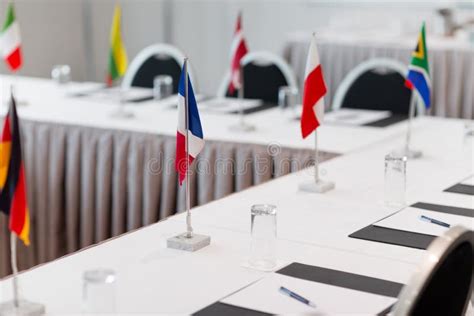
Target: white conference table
x,y
48,102
97,171
312,229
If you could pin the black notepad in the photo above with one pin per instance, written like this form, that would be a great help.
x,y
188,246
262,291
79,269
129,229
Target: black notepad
x,y
321,275
405,238
461,189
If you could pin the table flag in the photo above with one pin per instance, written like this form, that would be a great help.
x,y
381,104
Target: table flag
x,y
314,91
10,40
118,60
13,200
196,141
419,70
238,51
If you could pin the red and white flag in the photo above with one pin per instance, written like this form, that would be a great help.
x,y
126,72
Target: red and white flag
x,y
314,91
237,52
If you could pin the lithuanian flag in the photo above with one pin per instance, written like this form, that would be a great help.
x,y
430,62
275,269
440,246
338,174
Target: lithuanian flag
x,y
12,177
118,61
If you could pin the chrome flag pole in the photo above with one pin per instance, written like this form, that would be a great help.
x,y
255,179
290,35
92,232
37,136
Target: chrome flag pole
x,y
189,228
409,153
13,258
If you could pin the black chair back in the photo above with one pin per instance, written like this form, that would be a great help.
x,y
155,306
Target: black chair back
x,y
374,90
262,82
443,283
154,66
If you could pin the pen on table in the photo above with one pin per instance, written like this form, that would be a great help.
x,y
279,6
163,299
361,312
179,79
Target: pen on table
x,y
434,221
297,297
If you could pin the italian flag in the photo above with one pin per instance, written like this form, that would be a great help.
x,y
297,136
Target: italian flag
x,y
10,40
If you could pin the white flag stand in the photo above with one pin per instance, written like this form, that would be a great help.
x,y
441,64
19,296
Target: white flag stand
x,y
407,151
188,241
17,307
242,126
318,185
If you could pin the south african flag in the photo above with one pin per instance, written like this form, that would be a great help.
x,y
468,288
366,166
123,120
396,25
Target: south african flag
x,y
419,70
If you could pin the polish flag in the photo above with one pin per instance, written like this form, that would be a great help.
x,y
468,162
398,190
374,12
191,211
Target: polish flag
x,y
237,52
314,91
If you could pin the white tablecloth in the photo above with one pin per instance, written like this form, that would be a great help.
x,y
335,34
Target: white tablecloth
x,y
312,229
451,64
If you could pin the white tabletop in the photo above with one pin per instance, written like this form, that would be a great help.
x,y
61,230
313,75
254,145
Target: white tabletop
x,y
312,229
48,102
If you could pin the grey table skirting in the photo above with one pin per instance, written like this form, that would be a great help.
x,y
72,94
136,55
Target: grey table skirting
x,y
452,70
86,185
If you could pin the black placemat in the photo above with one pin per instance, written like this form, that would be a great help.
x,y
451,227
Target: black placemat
x,y
461,189
406,238
321,275
392,119
264,106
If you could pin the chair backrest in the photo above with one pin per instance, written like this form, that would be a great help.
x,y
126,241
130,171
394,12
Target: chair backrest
x,y
154,60
442,285
263,74
376,84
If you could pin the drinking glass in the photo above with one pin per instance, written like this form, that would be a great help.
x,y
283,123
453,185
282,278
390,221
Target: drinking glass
x,y
287,97
162,87
395,180
61,74
98,294
263,232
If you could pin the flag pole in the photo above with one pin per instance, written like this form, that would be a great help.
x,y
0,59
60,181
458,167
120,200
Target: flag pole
x,y
13,238
240,95
189,228
316,157
411,115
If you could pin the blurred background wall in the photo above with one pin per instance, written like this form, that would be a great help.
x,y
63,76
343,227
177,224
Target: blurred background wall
x,y
76,32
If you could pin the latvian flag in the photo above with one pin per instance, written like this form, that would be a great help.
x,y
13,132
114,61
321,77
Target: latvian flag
x,y
10,41
237,52
194,132
314,91
13,200
419,70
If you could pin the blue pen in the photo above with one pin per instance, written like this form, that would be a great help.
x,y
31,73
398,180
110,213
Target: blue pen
x,y
297,297
434,221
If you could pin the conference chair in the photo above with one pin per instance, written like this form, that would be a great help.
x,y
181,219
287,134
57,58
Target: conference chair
x,y
443,282
154,60
263,74
377,84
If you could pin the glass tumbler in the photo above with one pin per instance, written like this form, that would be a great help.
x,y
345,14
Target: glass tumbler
x,y
98,296
61,74
287,97
263,237
395,180
162,87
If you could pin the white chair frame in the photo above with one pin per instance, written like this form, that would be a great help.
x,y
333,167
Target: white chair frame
x,y
261,58
372,64
434,257
152,50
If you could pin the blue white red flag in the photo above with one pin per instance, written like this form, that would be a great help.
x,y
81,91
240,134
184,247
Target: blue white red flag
x,y
194,132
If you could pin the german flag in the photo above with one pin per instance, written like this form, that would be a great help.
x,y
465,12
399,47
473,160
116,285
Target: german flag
x,y
12,177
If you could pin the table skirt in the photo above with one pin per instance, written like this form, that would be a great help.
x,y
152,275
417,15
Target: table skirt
x,y
86,185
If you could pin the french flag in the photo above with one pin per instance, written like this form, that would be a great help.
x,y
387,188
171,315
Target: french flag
x,y
194,132
314,91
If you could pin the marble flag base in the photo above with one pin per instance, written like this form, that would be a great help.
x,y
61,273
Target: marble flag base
x,y
317,187
25,308
194,243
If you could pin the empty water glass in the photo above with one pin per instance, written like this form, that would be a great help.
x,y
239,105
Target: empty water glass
x,y
162,87
395,180
98,294
287,97
263,231
61,74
